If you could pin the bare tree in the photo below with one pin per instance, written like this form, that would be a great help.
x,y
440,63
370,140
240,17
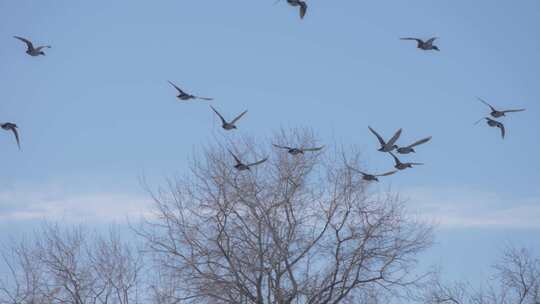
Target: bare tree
x,y
70,266
297,229
516,280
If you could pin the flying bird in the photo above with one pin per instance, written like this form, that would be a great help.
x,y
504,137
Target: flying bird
x,y
296,151
495,124
424,45
185,96
372,177
387,146
240,166
228,125
496,113
31,50
408,149
8,126
301,4
402,166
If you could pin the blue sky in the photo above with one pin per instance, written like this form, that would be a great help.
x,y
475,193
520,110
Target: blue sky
x,y
97,112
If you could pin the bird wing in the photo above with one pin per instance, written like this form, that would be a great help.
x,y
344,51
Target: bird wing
x,y
220,117
394,138
14,130
381,140
356,170
313,149
303,9
259,162
28,42
238,117
503,131
487,104
515,110
176,87
204,98
431,40
410,38
421,141
235,158
43,47
387,173
282,147
416,164
396,160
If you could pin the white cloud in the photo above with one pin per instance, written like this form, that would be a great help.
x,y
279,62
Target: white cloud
x,y
468,208
54,204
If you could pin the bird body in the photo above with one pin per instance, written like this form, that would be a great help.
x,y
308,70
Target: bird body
x,y
228,125
410,148
496,124
424,45
30,49
387,146
9,126
185,96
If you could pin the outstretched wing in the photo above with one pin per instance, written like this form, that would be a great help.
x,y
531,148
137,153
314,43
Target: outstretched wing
x,y
415,39
387,173
43,47
259,162
313,149
503,131
220,117
487,104
431,40
515,110
396,160
282,147
235,158
303,9
421,141
28,42
177,88
394,138
417,164
356,170
238,117
204,98
16,133
381,140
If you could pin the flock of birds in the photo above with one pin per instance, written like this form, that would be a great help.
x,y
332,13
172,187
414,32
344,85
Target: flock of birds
x,y
385,146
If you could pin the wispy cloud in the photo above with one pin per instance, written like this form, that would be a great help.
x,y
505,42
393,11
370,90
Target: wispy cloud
x,y
462,207
52,203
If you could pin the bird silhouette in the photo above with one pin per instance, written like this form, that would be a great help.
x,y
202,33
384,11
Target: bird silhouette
x,y
31,50
296,151
387,146
424,45
185,96
228,125
8,126
240,166
496,124
301,4
496,113
408,149
372,177
402,166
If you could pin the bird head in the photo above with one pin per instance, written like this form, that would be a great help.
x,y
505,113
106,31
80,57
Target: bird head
x,y
413,151
42,53
436,48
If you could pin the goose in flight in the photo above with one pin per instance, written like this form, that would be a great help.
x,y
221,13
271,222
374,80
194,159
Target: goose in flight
x,y
372,177
301,4
408,149
31,50
185,96
240,166
387,146
424,45
296,151
495,124
402,166
8,126
496,113
228,125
